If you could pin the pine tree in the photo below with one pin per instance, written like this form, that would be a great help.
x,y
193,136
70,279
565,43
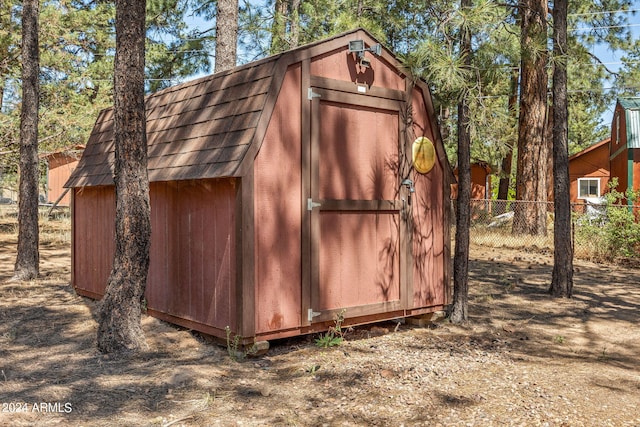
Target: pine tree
x,y
530,216
226,34
119,328
28,259
562,277
458,311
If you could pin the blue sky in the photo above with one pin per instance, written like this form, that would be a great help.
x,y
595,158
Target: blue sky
x,y
606,55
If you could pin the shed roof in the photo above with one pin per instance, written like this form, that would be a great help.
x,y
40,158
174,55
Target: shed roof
x,y
198,129
206,127
631,107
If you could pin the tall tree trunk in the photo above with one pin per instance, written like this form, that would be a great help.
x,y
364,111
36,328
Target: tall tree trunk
x,y
279,27
119,328
28,259
530,217
505,180
562,277
294,30
458,310
226,34
285,30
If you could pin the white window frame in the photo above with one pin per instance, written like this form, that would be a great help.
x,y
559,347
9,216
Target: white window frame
x,y
580,196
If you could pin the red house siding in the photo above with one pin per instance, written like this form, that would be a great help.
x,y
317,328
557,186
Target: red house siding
x,y
193,252
93,238
593,162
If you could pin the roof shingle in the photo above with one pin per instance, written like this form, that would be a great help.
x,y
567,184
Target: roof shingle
x,y
199,129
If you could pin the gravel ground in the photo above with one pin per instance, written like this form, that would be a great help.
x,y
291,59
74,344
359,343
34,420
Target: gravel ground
x,y
522,360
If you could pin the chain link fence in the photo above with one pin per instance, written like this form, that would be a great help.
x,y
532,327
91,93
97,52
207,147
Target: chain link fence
x,y
54,222
597,228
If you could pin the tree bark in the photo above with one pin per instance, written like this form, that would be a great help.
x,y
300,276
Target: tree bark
x,y
505,180
285,30
562,277
458,310
226,34
279,26
28,258
530,217
119,328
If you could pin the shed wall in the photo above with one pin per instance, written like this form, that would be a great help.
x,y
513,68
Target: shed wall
x,y
430,258
60,168
342,66
193,251
277,196
93,238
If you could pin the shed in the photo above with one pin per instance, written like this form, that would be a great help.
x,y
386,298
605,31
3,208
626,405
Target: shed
x,y
60,165
283,192
624,151
480,181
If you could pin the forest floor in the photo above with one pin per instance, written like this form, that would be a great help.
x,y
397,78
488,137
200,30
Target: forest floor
x,y
522,360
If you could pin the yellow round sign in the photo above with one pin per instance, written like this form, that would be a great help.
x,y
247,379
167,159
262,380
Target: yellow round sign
x,y
423,154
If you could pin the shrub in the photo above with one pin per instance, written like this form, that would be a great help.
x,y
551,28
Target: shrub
x,y
618,234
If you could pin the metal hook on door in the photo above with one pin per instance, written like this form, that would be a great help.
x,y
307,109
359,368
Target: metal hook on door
x,y
409,184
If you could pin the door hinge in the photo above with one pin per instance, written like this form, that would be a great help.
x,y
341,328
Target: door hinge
x,y
311,204
311,94
311,314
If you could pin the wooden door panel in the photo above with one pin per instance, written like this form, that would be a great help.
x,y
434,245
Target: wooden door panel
x,y
355,219
358,260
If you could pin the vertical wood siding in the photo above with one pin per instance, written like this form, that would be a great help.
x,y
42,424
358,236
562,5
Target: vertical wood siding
x,y
359,259
60,168
278,213
93,238
192,269
429,288
341,65
592,163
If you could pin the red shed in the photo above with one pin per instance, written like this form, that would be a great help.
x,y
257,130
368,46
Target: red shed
x,y
282,192
60,165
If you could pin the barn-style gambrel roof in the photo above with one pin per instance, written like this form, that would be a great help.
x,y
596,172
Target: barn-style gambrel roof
x,y
213,126
199,129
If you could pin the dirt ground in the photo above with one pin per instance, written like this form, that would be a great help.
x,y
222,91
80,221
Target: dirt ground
x,y
522,360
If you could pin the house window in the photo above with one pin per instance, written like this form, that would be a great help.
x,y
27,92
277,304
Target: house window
x,y
588,187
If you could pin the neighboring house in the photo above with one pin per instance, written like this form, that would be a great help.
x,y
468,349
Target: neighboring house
x,y
60,165
589,172
284,192
480,181
624,154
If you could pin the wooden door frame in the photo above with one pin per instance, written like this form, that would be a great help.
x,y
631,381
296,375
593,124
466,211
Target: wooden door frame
x,y
315,89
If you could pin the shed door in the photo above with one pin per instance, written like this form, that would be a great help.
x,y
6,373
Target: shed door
x,y
354,206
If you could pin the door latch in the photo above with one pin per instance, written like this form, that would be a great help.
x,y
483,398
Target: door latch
x,y
311,94
409,184
311,204
311,314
